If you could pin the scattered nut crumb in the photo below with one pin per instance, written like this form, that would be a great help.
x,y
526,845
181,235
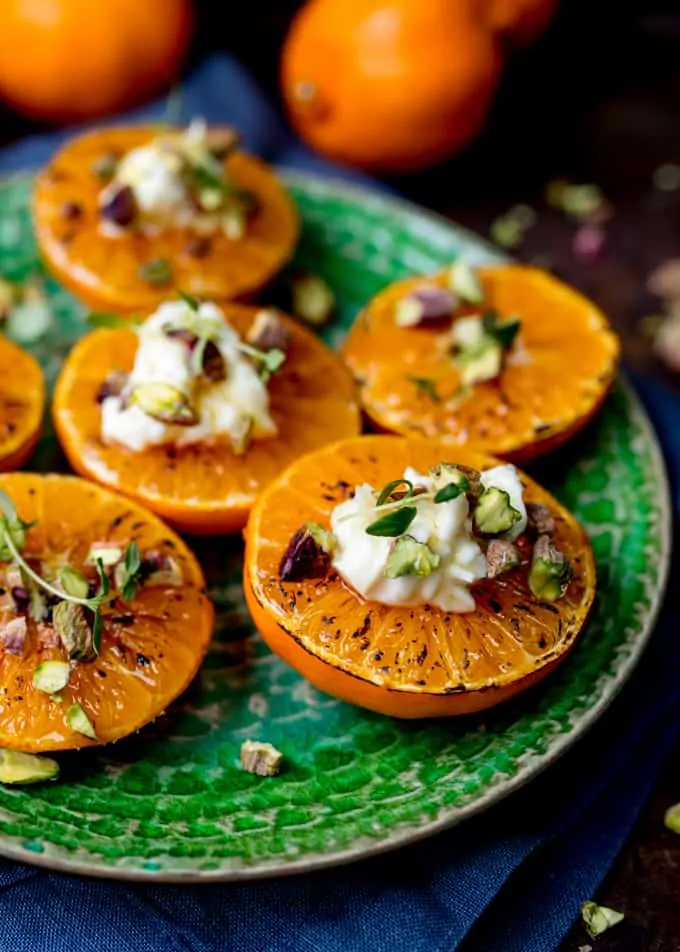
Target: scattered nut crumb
x,y
664,281
588,243
260,758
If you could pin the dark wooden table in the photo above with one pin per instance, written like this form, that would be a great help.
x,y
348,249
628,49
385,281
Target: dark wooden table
x,y
597,100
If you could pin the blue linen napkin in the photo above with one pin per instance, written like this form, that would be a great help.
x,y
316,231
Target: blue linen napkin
x,y
511,880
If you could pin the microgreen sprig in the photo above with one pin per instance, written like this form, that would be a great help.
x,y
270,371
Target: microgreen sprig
x,y
396,515
74,587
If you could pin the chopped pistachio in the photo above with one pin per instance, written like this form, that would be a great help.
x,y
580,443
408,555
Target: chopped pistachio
x,y
465,283
73,583
268,331
157,272
51,676
479,343
428,304
213,365
113,386
410,557
540,520
31,316
104,167
444,473
18,767
108,553
494,513
501,556
308,553
313,301
598,919
13,635
240,441
164,403
507,231
38,608
550,571
79,722
72,625
672,818
221,141
467,333
160,569
260,758
482,366
233,224
118,206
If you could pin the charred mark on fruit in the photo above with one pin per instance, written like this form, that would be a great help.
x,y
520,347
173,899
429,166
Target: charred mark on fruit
x,y
125,619
550,608
495,606
377,655
142,660
515,624
421,656
119,519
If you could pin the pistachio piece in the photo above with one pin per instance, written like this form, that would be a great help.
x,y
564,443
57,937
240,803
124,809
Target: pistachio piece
x,y
480,367
157,272
198,247
410,557
550,571
21,597
51,676
268,331
188,337
213,364
260,758
73,583
78,721
13,635
494,513
444,473
540,520
164,403
118,206
240,438
74,628
233,223
18,767
38,608
104,167
312,299
465,283
598,919
428,304
160,569
308,553
108,553
479,345
671,819
501,556
113,386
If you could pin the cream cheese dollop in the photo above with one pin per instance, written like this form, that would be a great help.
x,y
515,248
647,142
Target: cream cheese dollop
x,y
446,527
236,407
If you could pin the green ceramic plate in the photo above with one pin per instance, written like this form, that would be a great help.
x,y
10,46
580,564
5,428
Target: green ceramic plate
x,y
172,803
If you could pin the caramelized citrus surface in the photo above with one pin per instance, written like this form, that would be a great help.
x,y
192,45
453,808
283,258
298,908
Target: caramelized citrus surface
x,y
204,488
415,661
553,382
103,271
22,404
151,647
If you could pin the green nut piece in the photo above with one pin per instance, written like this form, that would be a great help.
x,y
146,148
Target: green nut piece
x,y
51,676
79,722
164,403
494,515
550,571
464,282
17,767
410,557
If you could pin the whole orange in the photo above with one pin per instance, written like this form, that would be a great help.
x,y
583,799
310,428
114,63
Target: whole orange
x,y
389,84
69,60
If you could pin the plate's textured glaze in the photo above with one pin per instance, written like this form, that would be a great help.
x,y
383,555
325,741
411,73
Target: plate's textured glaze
x,y
172,803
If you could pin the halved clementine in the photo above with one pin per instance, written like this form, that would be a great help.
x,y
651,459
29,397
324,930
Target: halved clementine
x,y
552,383
405,661
104,271
22,404
204,488
151,647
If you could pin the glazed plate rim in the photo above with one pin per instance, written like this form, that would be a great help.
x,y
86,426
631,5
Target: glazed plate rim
x,y
449,816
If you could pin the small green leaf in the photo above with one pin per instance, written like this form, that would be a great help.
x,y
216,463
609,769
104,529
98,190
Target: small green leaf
x,y
387,491
599,918
503,332
73,582
157,272
322,537
410,557
452,491
427,387
113,320
104,584
79,722
51,676
132,566
97,629
188,299
394,523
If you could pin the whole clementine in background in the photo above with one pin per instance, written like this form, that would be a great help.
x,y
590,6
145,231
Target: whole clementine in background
x,y
70,60
389,84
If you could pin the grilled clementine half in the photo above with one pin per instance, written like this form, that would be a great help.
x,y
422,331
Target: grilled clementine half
x,y
104,271
551,385
204,488
151,647
405,661
22,404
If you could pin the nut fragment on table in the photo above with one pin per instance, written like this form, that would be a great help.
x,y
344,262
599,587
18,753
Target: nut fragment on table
x,y
258,757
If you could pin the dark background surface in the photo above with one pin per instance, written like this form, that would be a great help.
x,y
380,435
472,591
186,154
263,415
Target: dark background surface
x,y
596,100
